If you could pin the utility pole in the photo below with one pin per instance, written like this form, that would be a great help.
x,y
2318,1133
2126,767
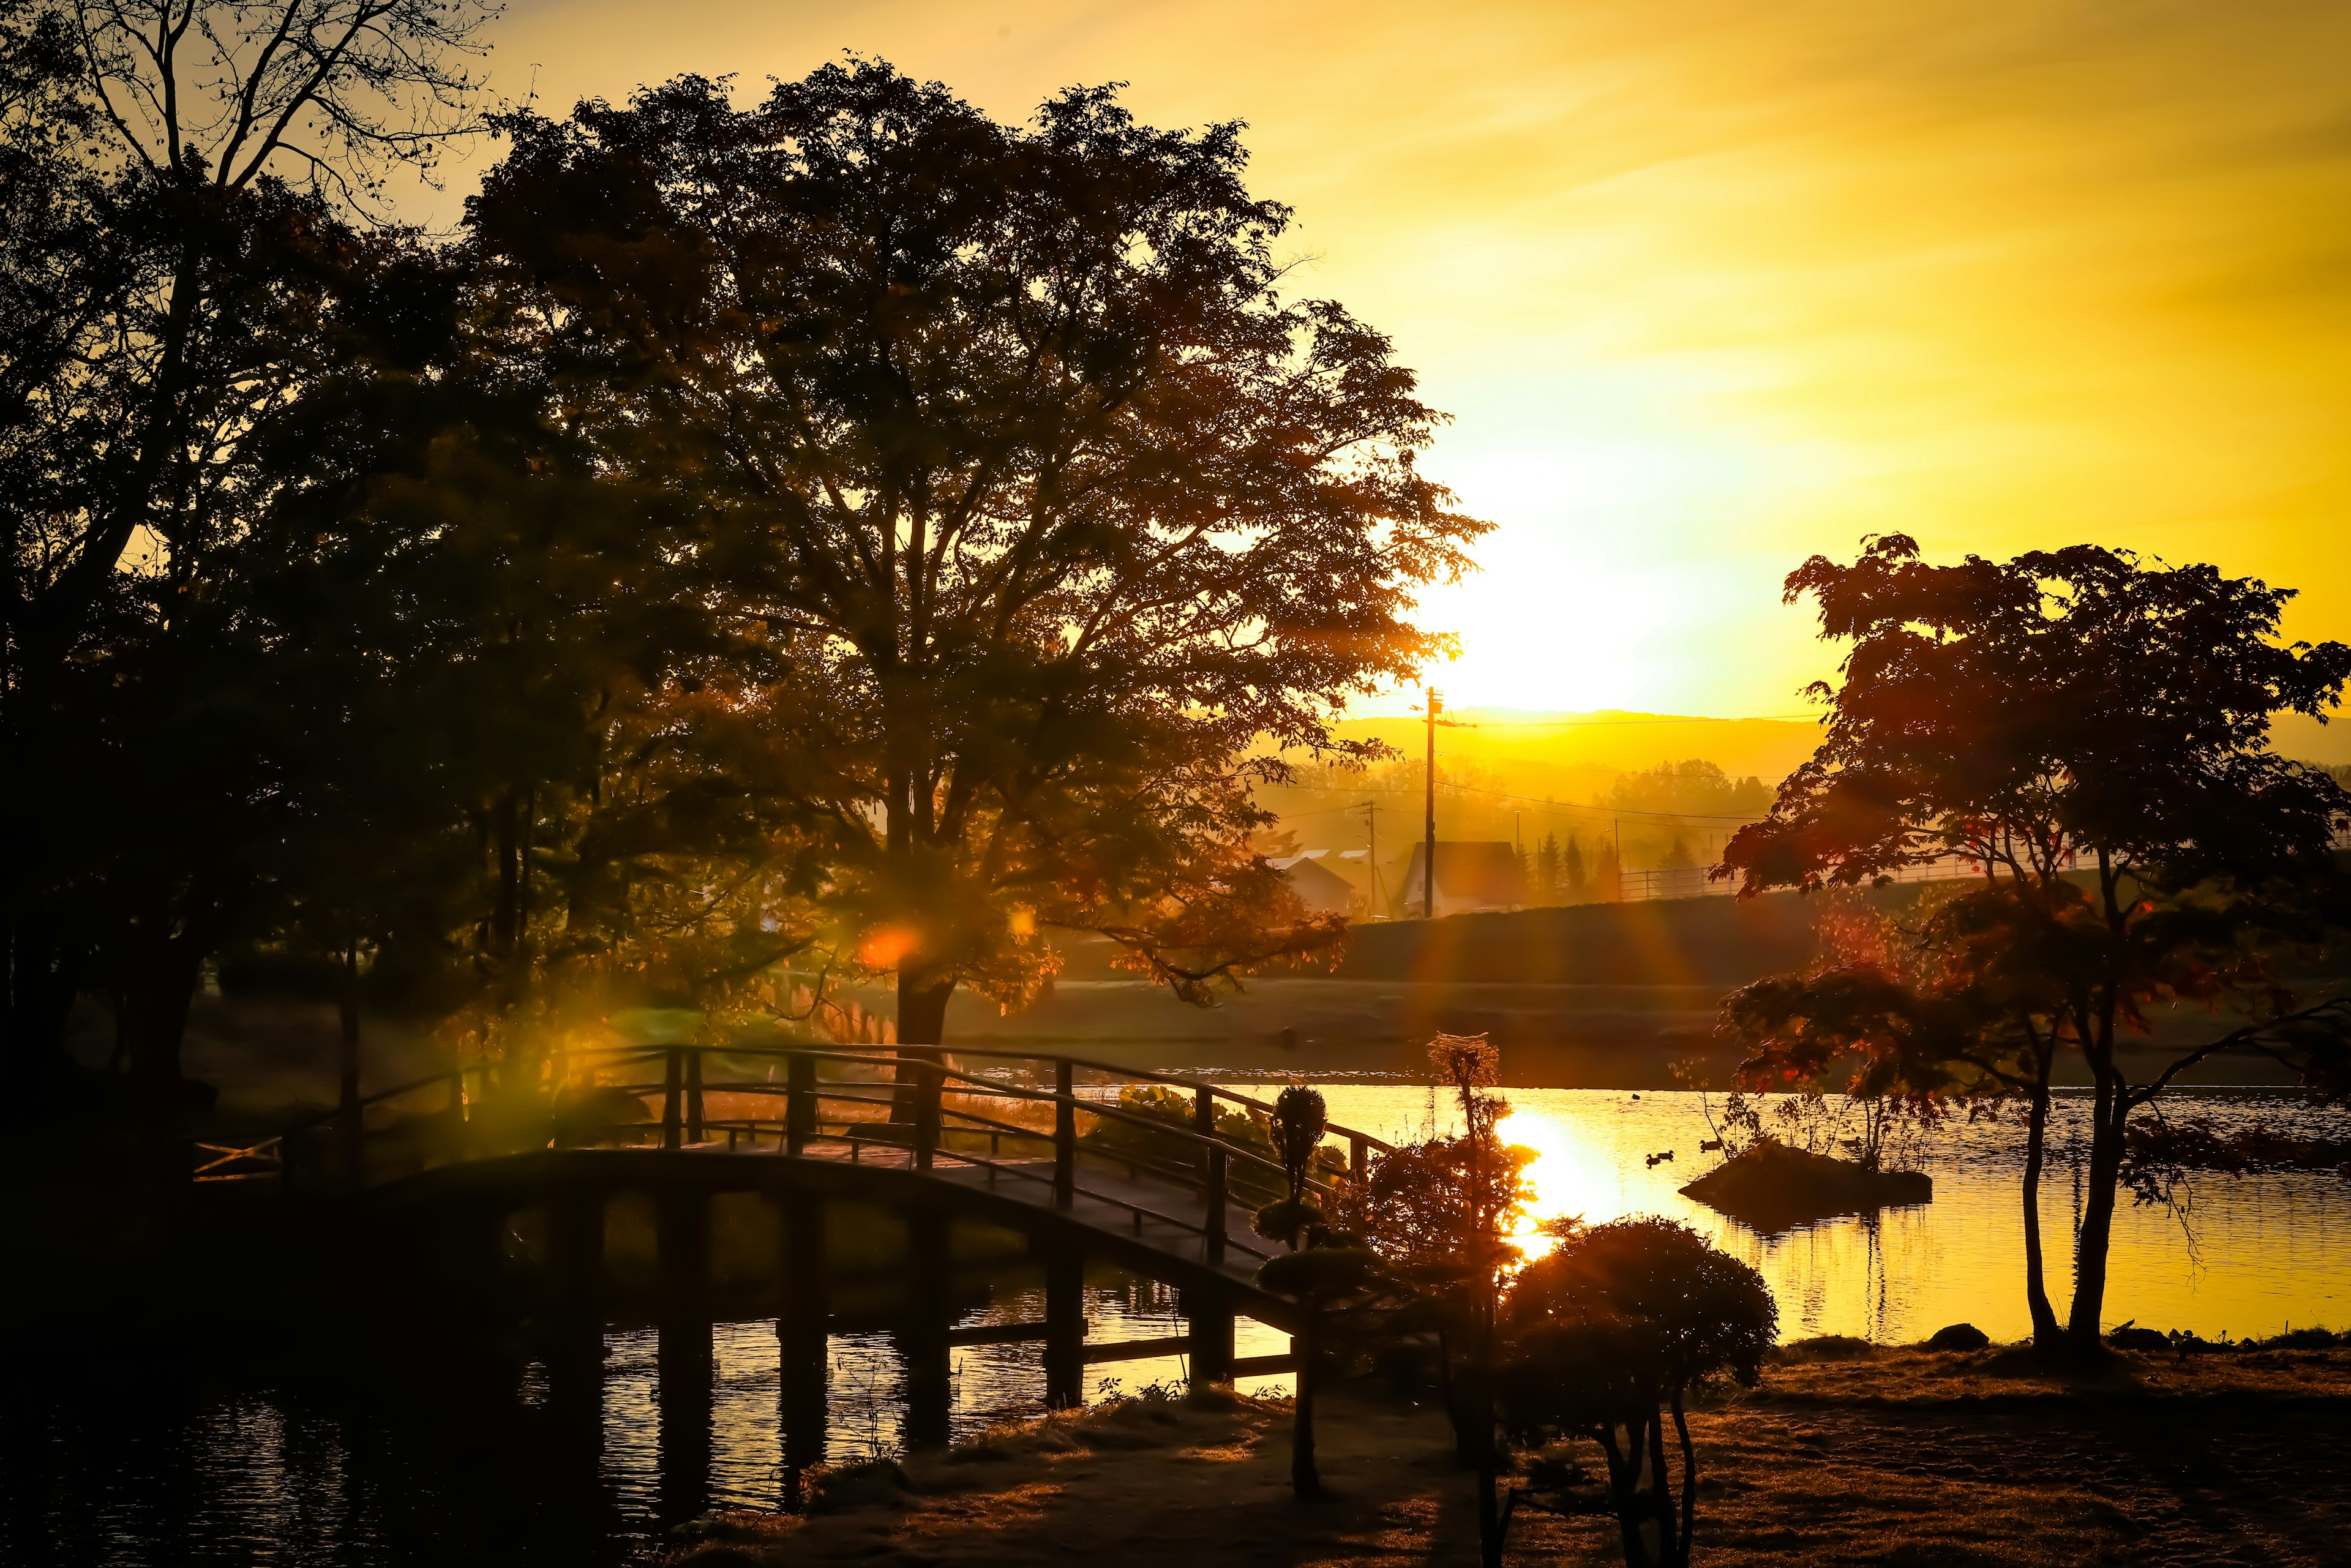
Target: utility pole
x,y
1428,858
1371,811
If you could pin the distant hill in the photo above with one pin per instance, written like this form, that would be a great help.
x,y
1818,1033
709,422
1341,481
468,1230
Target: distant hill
x,y
1525,745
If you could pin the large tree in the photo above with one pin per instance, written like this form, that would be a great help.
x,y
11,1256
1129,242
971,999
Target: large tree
x,y
1010,451
203,165
533,784
2090,729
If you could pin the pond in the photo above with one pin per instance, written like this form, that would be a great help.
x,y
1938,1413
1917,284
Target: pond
x,y
142,1462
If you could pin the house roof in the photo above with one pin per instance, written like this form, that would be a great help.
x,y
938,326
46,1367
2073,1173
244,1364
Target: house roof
x,y
1477,872
1311,877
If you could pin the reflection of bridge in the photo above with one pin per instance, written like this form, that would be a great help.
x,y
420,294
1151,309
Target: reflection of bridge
x,y
1013,1143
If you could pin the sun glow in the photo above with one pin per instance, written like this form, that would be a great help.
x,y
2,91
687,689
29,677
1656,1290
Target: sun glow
x,y
1567,1177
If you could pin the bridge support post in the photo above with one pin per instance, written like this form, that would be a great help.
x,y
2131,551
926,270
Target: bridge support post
x,y
694,1128
683,1359
473,1245
800,1103
800,1329
351,1124
1065,1329
575,1248
682,1241
1208,1318
572,1329
1065,1138
922,1334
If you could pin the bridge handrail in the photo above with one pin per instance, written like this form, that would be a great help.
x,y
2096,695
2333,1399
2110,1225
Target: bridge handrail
x,y
892,1059
969,1119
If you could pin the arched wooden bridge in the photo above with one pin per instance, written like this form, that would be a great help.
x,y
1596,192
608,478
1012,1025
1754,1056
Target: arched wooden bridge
x,y
1163,1186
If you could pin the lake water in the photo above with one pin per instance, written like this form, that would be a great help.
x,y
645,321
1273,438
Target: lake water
x,y
145,1463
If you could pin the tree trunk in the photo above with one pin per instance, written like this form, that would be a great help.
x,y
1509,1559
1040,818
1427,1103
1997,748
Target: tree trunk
x,y
509,905
1661,1496
156,997
1690,1480
1624,1490
1304,1479
1490,1464
2036,1285
923,1008
33,1012
347,1010
922,1024
2097,1219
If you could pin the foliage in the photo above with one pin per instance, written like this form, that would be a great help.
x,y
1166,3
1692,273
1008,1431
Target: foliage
x,y
2089,730
2162,1154
1286,1220
1247,1181
1048,502
185,184
1612,1332
1300,1120
1691,788
1416,1207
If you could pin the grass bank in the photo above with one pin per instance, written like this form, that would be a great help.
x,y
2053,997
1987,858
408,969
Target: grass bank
x,y
1872,1456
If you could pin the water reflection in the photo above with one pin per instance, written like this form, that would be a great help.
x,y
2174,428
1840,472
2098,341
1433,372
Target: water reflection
x,y
2260,1254
583,1457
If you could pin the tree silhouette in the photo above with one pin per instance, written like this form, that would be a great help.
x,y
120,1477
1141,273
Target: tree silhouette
x,y
2089,729
1038,493
209,160
1609,1336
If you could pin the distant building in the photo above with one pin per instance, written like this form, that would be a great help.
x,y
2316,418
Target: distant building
x,y
1471,878
1317,887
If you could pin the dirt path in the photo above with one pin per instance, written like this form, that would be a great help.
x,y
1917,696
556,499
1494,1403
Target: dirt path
x,y
1903,1458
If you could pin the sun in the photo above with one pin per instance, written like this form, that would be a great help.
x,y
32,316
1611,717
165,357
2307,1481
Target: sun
x,y
1567,1177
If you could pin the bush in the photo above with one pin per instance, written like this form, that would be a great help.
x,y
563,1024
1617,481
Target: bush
x,y
1613,1331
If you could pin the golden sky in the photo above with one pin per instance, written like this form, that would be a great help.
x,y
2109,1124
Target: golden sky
x,y
1711,285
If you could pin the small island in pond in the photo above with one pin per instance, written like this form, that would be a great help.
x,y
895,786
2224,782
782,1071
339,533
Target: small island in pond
x,y
1771,1186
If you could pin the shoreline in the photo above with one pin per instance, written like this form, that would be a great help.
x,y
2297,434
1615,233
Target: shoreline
x,y
1848,1454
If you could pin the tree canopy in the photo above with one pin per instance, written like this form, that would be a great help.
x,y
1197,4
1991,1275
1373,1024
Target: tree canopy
x,y
1008,449
2089,729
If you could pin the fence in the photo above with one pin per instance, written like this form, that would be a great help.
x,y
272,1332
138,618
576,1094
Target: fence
x,y
1692,882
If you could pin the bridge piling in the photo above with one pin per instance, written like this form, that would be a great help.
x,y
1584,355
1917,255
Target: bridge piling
x,y
684,1366
693,1125
1208,1317
575,1236
802,1328
922,1333
1065,1328
682,1247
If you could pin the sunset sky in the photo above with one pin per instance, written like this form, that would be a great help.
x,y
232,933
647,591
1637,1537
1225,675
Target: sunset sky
x,y
1710,286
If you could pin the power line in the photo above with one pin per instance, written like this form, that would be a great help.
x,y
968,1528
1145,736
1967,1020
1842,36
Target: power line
x,y
1605,723
1552,805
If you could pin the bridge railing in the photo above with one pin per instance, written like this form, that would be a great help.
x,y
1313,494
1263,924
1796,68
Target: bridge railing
x,y
1020,1119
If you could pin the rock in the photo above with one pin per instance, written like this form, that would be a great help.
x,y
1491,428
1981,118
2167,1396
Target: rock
x,y
874,1483
1959,1336
1772,1187
1822,1347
